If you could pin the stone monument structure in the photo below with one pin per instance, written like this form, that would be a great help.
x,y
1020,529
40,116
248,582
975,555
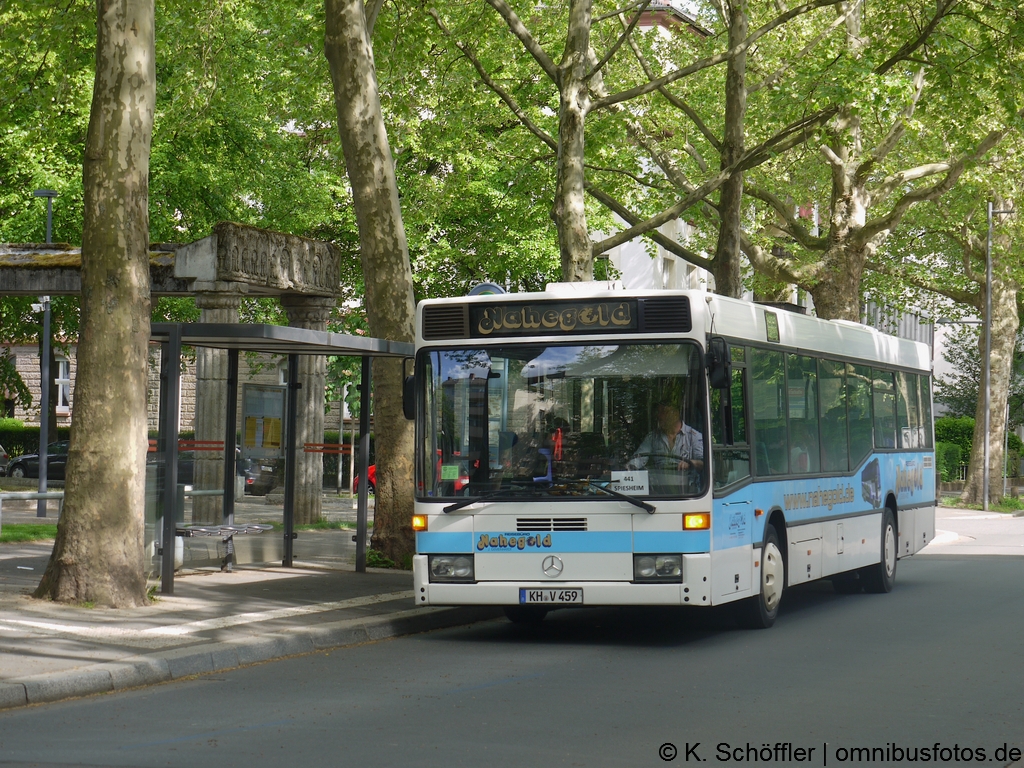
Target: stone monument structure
x,y
219,270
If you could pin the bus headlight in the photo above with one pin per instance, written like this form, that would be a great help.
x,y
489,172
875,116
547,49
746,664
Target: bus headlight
x,y
667,568
451,568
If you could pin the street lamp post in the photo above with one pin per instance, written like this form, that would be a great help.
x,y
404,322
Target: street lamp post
x,y
44,363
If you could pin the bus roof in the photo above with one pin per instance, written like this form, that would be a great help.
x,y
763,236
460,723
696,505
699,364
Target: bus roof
x,y
709,314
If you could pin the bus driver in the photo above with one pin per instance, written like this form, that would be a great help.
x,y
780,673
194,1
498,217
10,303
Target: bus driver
x,y
672,445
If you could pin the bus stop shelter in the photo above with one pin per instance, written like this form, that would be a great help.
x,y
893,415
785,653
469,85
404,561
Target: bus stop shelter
x,y
274,339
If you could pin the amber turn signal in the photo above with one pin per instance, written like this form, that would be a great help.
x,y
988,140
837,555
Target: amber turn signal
x,y
698,521
419,522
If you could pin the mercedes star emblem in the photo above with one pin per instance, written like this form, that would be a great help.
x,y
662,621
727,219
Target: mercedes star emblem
x,y
552,566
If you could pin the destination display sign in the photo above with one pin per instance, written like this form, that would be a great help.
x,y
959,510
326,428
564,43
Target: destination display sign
x,y
552,317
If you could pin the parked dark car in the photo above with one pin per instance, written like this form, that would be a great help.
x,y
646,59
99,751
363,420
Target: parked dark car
x,y
261,475
28,464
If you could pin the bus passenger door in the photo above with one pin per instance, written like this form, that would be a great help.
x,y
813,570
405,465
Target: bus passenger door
x,y
732,560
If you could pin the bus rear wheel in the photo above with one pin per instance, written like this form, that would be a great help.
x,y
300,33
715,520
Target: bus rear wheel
x,y
881,577
525,614
760,612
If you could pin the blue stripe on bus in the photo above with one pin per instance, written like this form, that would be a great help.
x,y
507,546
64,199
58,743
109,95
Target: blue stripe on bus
x,y
437,542
434,542
671,541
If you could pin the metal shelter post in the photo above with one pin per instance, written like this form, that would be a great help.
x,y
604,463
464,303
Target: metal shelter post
x,y
170,374
230,427
45,375
291,419
364,463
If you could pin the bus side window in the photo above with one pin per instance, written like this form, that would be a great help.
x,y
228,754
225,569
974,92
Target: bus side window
x,y
731,463
926,411
884,402
768,383
858,400
802,386
835,443
908,411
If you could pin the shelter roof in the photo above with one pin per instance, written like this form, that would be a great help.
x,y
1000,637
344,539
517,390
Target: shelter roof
x,y
280,339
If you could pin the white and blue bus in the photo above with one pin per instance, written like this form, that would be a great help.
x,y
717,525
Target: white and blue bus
x,y
591,446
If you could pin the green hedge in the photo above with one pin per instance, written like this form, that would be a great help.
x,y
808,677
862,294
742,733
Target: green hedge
x,y
21,440
947,459
959,431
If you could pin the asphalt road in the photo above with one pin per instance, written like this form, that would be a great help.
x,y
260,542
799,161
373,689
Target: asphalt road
x,y
936,662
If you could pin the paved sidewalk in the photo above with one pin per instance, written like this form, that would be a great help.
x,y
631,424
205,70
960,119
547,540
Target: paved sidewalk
x,y
213,621
260,611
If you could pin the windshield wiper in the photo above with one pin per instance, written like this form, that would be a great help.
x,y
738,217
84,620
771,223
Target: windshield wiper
x,y
650,508
484,496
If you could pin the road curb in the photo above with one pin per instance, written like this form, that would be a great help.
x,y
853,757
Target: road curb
x,y
179,663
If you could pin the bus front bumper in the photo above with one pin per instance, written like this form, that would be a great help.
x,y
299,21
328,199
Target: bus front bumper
x,y
694,590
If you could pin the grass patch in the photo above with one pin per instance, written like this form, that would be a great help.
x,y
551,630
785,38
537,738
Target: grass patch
x,y
1006,505
15,532
326,525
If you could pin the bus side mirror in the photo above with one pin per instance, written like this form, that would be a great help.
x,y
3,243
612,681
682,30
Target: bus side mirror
x,y
719,366
409,397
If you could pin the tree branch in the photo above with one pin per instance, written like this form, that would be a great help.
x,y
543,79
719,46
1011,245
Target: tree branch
x,y
942,9
905,203
510,102
618,43
778,269
519,30
710,61
777,74
633,176
901,273
629,217
675,101
899,127
793,226
371,9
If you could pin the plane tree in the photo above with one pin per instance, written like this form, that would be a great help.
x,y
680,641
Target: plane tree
x,y
922,98
576,79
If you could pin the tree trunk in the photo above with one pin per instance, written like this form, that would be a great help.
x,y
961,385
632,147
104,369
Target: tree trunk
x,y
1005,322
569,211
837,295
385,256
99,552
728,276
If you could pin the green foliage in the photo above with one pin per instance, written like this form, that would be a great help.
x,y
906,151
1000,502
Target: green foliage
x,y
15,532
959,431
948,457
959,390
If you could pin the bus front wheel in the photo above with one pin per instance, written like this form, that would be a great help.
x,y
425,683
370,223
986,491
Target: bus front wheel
x,y
880,578
760,611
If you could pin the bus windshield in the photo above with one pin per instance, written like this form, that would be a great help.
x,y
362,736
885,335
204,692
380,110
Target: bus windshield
x,y
537,421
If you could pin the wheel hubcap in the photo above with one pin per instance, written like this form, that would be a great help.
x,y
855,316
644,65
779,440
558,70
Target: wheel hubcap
x,y
890,550
772,572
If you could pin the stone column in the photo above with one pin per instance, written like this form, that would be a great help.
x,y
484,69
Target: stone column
x,y
218,303
310,312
